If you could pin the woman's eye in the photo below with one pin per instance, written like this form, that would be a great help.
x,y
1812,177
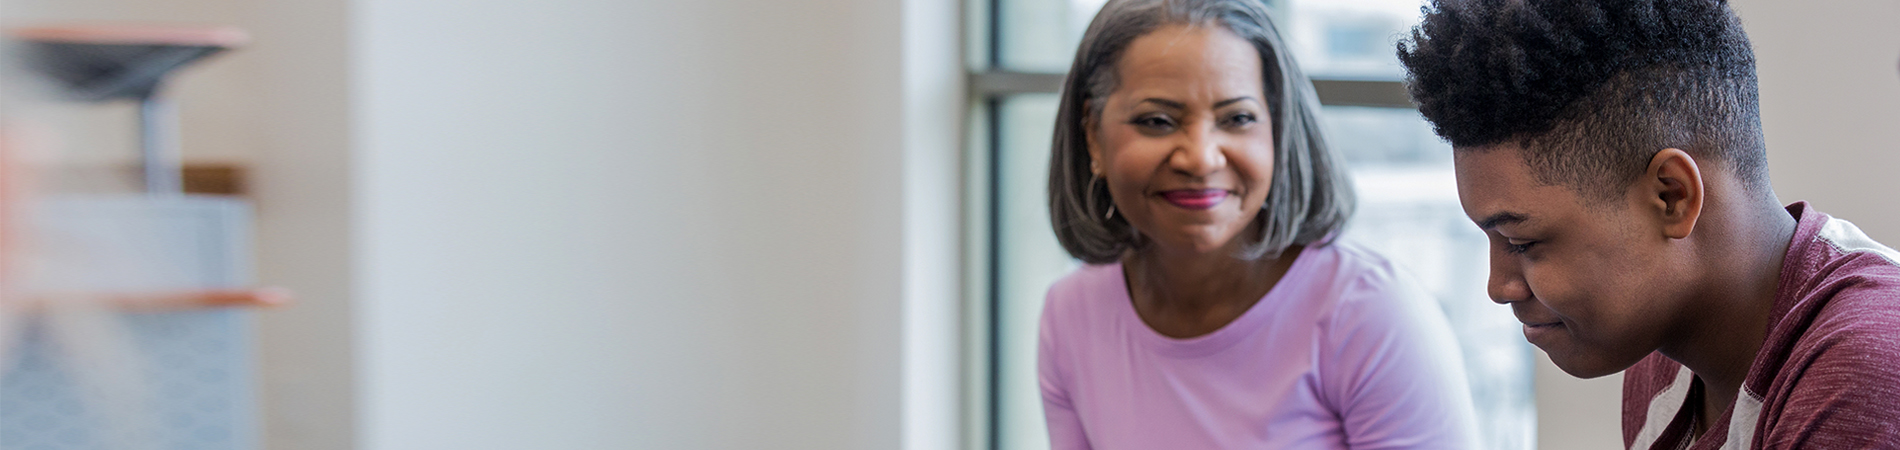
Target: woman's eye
x,y
1241,120
1154,122
1518,248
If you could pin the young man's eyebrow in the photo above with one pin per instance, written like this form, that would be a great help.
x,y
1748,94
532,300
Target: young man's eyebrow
x,y
1503,218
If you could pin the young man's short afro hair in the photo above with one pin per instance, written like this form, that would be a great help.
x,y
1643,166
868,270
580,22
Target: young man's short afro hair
x,y
1590,89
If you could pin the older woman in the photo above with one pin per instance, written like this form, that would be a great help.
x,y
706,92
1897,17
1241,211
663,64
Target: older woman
x,y
1215,311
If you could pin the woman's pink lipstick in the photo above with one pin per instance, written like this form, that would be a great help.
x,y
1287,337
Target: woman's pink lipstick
x,y
1196,199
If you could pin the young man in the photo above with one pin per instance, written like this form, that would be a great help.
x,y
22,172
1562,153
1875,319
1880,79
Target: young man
x,y
1612,152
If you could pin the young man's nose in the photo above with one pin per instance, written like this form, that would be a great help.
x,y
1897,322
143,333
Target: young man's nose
x,y
1507,282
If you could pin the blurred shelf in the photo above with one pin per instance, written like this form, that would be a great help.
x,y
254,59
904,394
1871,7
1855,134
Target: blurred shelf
x,y
223,179
269,297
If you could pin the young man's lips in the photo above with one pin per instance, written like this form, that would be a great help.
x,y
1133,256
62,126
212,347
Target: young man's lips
x,y
1196,199
1536,332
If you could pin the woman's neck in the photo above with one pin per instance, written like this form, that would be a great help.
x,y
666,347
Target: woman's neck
x,y
1183,294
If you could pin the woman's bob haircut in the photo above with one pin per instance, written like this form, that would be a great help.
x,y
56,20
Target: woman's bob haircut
x,y
1310,196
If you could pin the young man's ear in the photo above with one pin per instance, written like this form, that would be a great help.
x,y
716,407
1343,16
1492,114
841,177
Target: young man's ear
x,y
1673,187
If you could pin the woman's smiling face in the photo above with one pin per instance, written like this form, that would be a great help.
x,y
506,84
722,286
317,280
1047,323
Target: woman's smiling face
x,y
1185,142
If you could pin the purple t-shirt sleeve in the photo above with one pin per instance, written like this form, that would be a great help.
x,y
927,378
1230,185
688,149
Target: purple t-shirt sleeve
x,y
1393,372
1065,426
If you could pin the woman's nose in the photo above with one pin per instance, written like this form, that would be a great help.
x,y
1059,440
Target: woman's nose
x,y
1199,152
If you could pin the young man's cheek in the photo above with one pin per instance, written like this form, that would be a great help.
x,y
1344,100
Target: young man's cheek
x,y
1550,284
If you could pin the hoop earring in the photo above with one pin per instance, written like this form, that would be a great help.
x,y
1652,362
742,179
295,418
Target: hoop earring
x,y
1111,201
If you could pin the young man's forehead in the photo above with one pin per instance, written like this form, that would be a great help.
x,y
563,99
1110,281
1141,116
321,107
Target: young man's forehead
x,y
1500,219
1489,175
1497,189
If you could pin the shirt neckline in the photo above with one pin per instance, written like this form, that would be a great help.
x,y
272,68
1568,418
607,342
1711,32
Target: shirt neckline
x,y
1807,228
1220,339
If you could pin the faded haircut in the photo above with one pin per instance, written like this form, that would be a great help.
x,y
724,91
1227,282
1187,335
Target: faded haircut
x,y
1590,89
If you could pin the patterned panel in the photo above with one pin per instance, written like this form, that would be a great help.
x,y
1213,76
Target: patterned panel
x,y
76,379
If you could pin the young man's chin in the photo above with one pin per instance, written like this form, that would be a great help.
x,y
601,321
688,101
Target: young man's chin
x,y
1585,366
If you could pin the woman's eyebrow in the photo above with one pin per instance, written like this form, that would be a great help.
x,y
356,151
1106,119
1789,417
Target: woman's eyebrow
x,y
1232,101
1165,102
1179,105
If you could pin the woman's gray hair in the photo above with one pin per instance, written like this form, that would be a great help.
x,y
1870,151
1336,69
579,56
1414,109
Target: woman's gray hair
x,y
1310,197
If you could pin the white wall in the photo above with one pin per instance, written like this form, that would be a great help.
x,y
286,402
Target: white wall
x,y
1575,414
590,224
606,224
303,185
1830,76
1830,87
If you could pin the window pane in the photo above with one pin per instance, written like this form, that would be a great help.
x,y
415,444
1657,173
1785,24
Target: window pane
x,y
1030,260
1352,39
1041,35
1331,38
1381,137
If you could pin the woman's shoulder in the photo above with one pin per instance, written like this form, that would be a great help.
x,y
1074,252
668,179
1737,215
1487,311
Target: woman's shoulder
x,y
1084,287
1379,308
1363,286
1349,267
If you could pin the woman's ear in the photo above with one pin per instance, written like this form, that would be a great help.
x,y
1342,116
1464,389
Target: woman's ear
x,y
1673,189
1090,124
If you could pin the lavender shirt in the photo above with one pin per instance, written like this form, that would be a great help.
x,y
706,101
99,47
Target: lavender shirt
x,y
1344,353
